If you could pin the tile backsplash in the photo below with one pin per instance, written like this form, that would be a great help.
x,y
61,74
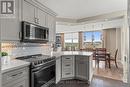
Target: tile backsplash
x,y
17,49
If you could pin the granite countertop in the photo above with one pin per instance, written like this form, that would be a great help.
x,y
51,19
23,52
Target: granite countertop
x,y
63,53
14,64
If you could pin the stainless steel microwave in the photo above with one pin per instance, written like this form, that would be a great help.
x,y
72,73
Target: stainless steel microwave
x,y
34,33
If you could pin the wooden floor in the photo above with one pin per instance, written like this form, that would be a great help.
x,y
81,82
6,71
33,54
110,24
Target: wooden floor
x,y
113,73
96,82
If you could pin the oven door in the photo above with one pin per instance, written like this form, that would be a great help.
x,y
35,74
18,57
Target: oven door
x,y
44,77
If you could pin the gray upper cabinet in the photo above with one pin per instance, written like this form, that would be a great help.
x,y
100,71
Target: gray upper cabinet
x,y
28,13
34,14
51,24
10,27
41,17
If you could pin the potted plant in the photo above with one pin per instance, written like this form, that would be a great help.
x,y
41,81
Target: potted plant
x,y
4,57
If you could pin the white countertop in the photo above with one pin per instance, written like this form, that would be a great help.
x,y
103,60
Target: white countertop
x,y
14,64
62,53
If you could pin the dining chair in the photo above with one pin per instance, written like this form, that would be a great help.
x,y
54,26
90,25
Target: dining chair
x,y
101,56
114,58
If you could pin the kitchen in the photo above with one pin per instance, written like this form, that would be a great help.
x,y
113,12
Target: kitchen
x,y
30,56
27,39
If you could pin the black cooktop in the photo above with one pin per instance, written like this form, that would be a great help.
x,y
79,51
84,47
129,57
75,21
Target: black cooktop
x,y
37,59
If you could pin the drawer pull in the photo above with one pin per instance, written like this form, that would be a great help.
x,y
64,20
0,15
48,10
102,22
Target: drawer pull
x,y
67,58
16,74
67,74
21,86
67,65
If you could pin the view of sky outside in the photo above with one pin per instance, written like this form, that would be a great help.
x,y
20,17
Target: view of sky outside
x,y
88,36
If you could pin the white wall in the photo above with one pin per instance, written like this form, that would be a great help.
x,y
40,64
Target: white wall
x,y
89,27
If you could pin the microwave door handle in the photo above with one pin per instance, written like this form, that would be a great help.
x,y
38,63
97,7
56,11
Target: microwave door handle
x,y
33,32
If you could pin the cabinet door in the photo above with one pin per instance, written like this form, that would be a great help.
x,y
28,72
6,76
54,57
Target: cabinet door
x,y
28,12
10,27
41,16
58,70
22,83
82,68
51,23
68,66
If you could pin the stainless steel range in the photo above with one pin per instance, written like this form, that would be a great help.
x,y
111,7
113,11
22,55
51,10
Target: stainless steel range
x,y
42,70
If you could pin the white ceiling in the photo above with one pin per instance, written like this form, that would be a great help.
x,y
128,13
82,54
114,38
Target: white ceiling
x,y
76,9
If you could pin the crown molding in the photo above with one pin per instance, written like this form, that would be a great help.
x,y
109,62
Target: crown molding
x,y
103,17
66,20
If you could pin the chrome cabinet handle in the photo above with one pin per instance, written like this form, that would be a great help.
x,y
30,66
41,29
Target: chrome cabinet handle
x,y
37,20
20,35
21,86
67,65
67,73
67,58
16,74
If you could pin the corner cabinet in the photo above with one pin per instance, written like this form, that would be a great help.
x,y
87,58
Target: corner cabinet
x,y
82,67
77,67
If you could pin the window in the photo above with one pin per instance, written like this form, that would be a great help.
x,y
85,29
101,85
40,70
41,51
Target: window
x,y
92,39
71,41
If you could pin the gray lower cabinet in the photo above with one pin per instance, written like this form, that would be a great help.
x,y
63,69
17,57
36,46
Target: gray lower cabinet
x,y
16,78
68,67
82,67
77,66
58,69
18,83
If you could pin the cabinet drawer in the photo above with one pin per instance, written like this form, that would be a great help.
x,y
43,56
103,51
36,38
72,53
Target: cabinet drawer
x,y
66,65
67,58
18,83
14,75
67,72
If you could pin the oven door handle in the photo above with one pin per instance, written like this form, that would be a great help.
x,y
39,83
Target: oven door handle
x,y
40,69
